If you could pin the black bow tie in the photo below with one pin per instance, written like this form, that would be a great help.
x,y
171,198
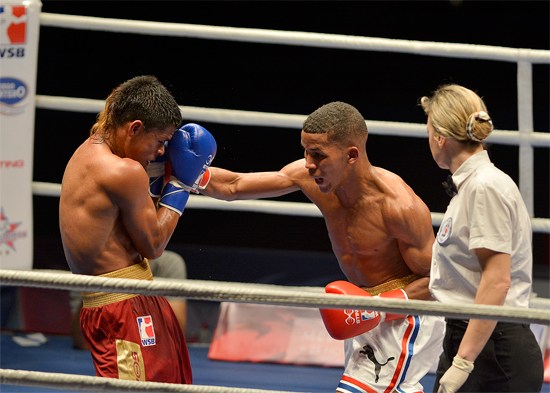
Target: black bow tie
x,y
449,186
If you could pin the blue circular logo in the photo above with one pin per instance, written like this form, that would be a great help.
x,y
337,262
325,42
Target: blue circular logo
x,y
12,90
445,230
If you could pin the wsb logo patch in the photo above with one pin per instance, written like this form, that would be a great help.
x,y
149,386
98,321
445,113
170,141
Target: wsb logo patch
x,y
146,331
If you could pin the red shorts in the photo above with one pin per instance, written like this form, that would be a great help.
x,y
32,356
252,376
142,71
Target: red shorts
x,y
137,339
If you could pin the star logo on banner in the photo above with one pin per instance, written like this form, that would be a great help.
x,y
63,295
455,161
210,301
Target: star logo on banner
x,y
8,233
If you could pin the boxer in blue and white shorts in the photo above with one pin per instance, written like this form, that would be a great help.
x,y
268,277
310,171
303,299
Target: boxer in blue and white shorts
x,y
384,352
382,359
381,233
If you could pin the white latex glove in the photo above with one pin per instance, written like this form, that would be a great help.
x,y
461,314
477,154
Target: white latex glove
x,y
455,376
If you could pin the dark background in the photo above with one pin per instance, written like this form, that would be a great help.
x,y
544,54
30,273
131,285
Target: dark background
x,y
286,79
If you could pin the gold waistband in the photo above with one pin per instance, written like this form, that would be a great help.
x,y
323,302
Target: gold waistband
x,y
398,283
141,271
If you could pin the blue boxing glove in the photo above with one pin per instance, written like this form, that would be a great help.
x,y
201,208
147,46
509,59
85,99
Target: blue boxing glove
x,y
191,149
155,170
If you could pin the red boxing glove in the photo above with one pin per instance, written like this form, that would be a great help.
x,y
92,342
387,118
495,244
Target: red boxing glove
x,y
202,181
395,294
343,324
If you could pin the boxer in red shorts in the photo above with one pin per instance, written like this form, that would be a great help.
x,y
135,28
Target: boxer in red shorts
x,y
116,212
142,328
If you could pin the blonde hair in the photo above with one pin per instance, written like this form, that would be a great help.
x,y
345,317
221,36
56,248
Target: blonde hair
x,y
459,113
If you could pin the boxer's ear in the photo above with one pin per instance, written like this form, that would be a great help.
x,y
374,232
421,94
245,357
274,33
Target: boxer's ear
x,y
135,127
353,154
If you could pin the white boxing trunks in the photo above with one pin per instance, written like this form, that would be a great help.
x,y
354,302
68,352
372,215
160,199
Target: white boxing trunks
x,y
395,355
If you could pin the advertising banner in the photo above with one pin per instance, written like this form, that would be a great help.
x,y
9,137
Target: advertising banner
x,y
261,333
19,32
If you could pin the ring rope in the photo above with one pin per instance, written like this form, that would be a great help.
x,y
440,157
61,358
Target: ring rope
x,y
305,209
534,302
526,138
251,118
296,38
86,383
278,295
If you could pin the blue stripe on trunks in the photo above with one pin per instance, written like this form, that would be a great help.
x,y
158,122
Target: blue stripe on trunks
x,y
410,345
350,388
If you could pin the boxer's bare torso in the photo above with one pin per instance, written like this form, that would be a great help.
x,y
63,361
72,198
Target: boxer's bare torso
x,y
369,234
107,219
379,228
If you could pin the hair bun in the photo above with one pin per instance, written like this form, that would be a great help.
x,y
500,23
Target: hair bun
x,y
478,117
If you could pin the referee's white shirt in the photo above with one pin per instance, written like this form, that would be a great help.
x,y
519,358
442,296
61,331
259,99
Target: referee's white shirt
x,y
488,212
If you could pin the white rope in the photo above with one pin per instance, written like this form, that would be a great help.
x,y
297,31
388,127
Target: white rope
x,y
303,209
85,383
46,189
277,295
539,302
266,119
305,297
534,301
524,58
296,38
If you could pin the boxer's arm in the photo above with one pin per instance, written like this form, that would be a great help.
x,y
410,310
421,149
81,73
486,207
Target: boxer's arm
x,y
411,224
149,230
419,289
228,185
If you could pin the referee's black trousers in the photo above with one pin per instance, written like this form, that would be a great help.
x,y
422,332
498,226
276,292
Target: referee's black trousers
x,y
510,362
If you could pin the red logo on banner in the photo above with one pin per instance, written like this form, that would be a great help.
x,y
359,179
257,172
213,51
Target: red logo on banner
x,y
8,233
12,163
13,24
